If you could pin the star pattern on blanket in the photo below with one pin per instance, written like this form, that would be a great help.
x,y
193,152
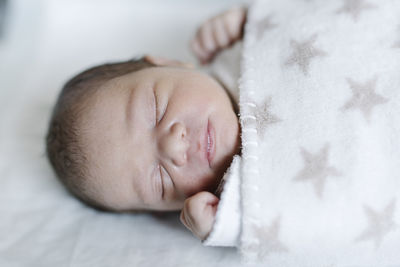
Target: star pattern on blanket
x,y
264,25
316,169
269,241
379,224
355,7
364,97
303,53
264,116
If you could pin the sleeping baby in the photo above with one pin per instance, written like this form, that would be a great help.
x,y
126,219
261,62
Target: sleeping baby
x,y
310,176
154,133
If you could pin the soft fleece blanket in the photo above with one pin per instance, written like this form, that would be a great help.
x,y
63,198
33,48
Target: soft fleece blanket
x,y
319,176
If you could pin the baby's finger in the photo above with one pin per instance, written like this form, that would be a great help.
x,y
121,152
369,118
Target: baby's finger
x,y
221,35
182,218
189,219
234,22
198,51
206,38
185,220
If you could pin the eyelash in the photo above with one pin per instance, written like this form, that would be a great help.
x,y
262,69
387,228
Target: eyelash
x,y
162,177
156,104
162,181
157,109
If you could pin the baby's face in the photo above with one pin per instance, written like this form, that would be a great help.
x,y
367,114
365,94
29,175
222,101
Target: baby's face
x,y
157,136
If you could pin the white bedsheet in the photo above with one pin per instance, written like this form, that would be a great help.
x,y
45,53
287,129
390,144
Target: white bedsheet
x,y
44,44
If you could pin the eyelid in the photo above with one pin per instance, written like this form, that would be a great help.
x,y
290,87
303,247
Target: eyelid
x,y
162,181
157,108
167,176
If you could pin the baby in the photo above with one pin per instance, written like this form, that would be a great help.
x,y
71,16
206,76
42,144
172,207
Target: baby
x,y
150,134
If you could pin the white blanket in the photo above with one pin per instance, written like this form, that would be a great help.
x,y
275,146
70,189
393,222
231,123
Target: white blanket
x,y
319,109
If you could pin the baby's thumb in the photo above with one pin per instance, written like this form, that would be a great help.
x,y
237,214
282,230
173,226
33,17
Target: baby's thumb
x,y
206,199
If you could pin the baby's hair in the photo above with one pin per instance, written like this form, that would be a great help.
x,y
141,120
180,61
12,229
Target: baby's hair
x,y
64,147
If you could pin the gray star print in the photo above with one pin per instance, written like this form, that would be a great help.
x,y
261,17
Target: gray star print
x,y
379,224
269,240
364,97
303,53
316,169
264,117
355,7
264,25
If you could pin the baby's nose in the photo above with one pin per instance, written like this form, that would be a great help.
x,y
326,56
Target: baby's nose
x,y
174,144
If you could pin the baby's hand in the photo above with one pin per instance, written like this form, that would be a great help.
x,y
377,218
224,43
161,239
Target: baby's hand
x,y
218,32
198,213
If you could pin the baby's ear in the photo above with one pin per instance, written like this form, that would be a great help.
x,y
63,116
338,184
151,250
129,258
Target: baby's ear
x,y
166,62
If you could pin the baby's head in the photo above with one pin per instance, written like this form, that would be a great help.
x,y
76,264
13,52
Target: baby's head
x,y
142,135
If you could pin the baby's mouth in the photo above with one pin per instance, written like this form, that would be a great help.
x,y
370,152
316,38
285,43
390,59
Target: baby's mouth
x,y
210,143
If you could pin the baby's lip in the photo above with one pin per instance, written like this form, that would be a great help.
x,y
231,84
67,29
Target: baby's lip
x,y
209,147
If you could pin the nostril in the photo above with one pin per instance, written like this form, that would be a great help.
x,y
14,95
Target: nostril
x,y
183,135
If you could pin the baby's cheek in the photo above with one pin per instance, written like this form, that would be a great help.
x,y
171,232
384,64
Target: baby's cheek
x,y
192,184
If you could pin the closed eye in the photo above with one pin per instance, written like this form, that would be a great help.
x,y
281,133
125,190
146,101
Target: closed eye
x,y
156,107
162,181
158,113
165,175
